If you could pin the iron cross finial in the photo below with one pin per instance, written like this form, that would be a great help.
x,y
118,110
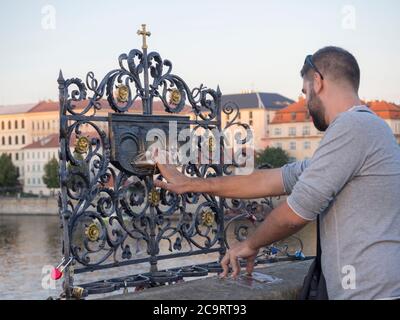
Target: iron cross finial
x,y
144,33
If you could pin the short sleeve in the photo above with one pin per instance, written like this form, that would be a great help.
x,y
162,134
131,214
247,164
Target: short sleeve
x,y
339,157
291,173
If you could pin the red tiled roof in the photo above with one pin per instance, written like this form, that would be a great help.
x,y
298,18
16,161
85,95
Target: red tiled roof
x,y
51,141
385,110
53,106
296,112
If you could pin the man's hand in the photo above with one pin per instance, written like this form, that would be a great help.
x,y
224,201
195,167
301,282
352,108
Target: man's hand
x,y
177,182
241,250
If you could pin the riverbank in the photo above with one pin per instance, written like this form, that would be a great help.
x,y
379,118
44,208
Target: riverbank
x,y
29,206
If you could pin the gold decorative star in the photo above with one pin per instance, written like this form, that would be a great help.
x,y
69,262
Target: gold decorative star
x,y
92,232
207,218
82,145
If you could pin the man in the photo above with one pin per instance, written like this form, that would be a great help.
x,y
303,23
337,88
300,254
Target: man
x,y
352,183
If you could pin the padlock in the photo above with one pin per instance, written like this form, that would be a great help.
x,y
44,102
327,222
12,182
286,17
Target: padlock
x,y
57,273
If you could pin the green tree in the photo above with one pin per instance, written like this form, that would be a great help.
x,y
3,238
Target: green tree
x,y
8,174
276,157
51,176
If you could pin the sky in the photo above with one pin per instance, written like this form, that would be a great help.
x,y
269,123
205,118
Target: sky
x,y
238,45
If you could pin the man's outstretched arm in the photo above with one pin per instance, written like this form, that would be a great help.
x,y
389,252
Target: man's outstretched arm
x,y
259,184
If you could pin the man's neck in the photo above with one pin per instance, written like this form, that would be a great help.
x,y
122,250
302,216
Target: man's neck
x,y
340,105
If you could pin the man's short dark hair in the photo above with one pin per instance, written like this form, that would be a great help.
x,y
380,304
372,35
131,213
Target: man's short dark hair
x,y
336,64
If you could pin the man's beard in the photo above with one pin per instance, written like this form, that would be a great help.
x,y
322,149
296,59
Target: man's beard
x,y
317,111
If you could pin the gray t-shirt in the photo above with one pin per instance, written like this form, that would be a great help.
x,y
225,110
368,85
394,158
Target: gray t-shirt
x,y
353,182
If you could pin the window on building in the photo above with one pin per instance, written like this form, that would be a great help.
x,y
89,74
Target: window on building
x,y
277,131
42,125
22,155
3,141
29,180
2,125
293,116
307,145
17,156
16,140
306,131
250,114
278,145
23,139
23,124
292,145
28,168
292,132
9,125
48,125
10,141
16,124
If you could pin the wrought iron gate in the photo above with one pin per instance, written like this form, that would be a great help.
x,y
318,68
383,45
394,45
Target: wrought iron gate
x,y
112,215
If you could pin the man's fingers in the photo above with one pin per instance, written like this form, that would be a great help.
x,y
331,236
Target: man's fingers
x,y
225,265
235,265
250,265
161,184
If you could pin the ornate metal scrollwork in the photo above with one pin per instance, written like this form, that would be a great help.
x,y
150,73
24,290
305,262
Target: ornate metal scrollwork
x,y
111,211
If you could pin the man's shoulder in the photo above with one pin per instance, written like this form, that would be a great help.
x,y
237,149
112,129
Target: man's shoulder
x,y
356,122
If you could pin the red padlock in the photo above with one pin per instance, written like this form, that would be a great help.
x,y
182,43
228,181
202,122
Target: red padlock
x,y
57,272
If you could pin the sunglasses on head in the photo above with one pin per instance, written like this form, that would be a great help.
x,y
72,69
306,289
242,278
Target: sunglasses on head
x,y
309,61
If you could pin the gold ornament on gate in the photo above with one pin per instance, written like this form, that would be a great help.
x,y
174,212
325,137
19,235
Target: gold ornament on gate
x,y
207,218
92,232
211,144
82,145
122,93
175,97
154,197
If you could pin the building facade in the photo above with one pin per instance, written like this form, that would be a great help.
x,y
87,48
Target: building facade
x,y
256,109
37,155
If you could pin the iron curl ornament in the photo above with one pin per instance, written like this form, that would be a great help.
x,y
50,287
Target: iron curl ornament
x,y
114,217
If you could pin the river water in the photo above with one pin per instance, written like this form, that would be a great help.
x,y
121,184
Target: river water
x,y
30,243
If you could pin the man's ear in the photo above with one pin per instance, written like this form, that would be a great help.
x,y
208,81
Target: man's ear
x,y
317,83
